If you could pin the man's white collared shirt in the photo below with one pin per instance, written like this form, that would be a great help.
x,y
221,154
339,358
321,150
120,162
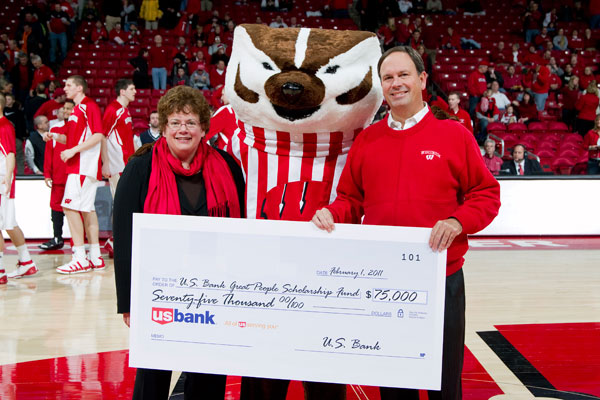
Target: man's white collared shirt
x,y
410,122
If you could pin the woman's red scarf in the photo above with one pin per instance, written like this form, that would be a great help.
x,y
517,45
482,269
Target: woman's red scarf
x,y
163,198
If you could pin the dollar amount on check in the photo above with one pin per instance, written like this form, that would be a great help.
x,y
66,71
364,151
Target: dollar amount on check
x,y
363,305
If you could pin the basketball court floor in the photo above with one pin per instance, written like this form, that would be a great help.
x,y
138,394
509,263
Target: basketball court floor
x,y
533,327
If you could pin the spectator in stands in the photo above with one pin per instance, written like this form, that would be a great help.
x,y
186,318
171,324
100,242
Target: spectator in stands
x,y
500,56
532,57
404,31
278,22
140,72
128,14
492,75
450,40
543,38
51,89
560,41
568,75
269,5
217,75
416,40
502,101
385,34
527,109
199,46
89,12
579,13
135,36
591,142
21,76
198,60
477,85
487,112
491,160
25,265
515,54
589,42
181,77
200,79
150,12
550,19
55,176
182,47
576,64
99,33
513,83
426,59
41,74
575,42
541,86
118,35
220,55
405,6
33,104
212,49
30,43
521,164
555,68
51,107
159,59
151,134
509,116
586,77
294,22
454,109
532,22
35,146
586,107
434,6
570,93
112,12
58,24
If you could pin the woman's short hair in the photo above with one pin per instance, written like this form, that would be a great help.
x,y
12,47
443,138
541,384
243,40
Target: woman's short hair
x,y
184,99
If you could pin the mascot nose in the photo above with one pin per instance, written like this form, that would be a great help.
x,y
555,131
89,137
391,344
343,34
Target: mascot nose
x,y
292,90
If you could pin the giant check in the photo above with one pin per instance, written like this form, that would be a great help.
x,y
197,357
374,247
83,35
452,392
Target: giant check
x,y
362,305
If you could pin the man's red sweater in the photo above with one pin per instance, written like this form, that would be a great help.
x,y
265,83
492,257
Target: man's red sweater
x,y
415,177
41,75
463,117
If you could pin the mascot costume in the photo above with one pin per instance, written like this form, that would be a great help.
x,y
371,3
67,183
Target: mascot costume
x,y
300,97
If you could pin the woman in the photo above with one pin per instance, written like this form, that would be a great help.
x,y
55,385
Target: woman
x,y
141,79
527,110
586,107
177,175
570,94
591,142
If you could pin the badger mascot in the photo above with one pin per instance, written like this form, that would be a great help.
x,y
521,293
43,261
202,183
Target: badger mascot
x,y
300,96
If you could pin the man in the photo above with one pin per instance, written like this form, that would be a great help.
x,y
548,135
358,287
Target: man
x,y
487,112
42,73
118,130
51,107
454,109
8,222
217,75
159,59
58,24
55,176
35,146
502,101
151,134
521,164
83,139
476,86
491,160
21,76
453,192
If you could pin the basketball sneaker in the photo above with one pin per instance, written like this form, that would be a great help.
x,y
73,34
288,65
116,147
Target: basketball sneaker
x,y
108,246
52,244
74,267
3,279
24,269
98,266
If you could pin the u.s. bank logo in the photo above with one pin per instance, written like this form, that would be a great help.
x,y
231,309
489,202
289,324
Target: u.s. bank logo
x,y
430,154
167,315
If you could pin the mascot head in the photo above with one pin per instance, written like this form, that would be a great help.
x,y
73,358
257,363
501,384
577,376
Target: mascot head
x,y
304,80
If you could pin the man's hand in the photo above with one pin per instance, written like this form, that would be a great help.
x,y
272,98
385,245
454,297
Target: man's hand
x,y
323,219
48,182
126,318
67,154
47,136
443,233
105,170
